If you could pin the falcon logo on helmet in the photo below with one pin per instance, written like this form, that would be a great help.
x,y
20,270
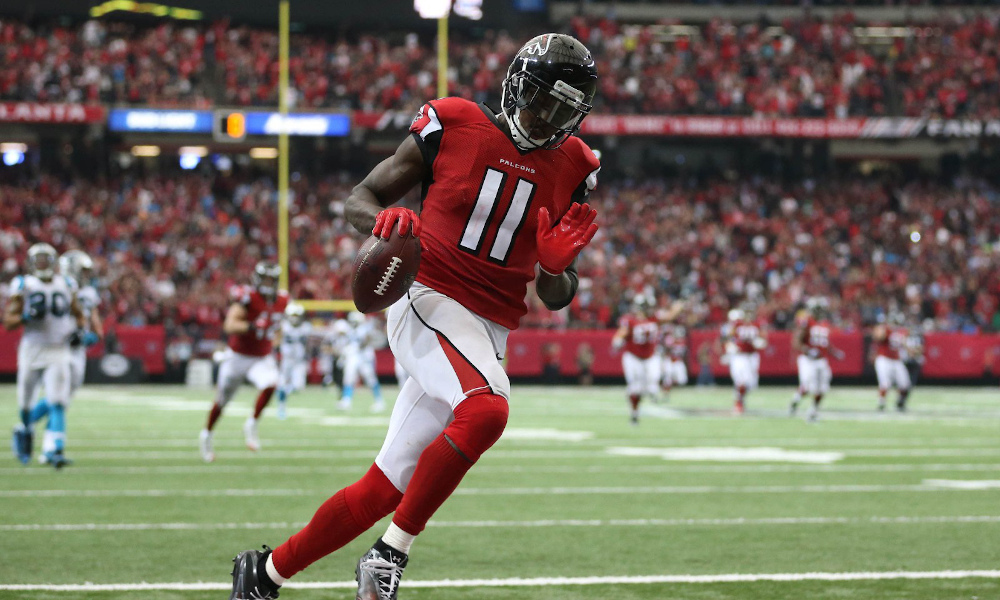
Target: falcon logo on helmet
x,y
549,89
265,277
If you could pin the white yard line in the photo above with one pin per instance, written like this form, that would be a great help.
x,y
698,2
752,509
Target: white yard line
x,y
217,469
268,454
731,522
927,486
527,582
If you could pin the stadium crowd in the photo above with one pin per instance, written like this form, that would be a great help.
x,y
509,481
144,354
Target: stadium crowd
x,y
168,248
800,67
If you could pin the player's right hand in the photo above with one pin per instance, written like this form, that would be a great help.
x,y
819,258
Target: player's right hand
x,y
385,219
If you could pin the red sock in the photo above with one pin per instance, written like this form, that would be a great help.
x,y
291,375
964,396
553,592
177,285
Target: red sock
x,y
213,416
346,515
262,399
634,400
479,421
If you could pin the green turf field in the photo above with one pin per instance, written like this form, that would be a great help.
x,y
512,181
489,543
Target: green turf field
x,y
692,503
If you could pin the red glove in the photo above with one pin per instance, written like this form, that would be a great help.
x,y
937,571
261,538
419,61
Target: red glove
x,y
384,220
559,245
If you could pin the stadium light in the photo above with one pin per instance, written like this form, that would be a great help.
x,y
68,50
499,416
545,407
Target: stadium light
x,y
264,153
439,9
147,151
189,161
13,147
432,9
199,151
13,157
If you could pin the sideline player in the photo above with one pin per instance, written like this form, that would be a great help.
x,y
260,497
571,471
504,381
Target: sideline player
x,y
890,343
743,341
294,348
46,306
357,356
637,332
253,318
811,340
502,194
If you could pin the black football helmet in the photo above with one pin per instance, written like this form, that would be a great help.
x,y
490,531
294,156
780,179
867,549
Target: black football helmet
x,y
265,277
549,89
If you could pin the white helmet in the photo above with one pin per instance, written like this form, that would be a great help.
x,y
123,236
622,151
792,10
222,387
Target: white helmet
x,y
74,263
355,318
735,314
42,261
295,311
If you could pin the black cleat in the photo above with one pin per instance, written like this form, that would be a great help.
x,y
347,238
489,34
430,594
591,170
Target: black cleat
x,y
246,584
58,461
378,573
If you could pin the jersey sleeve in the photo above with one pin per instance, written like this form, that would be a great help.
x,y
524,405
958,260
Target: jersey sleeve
x,y
590,166
17,286
426,130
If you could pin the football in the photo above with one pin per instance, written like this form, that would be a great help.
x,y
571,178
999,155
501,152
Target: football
x,y
384,270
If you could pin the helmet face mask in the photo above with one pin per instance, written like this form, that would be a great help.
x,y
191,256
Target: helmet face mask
x,y
78,265
265,277
548,91
295,313
42,261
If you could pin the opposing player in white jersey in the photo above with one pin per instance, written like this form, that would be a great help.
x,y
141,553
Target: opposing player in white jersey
x,y
45,305
357,356
295,335
78,265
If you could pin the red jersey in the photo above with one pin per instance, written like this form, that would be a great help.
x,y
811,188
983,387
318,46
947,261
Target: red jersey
x,y
480,205
890,346
256,341
815,338
745,334
640,335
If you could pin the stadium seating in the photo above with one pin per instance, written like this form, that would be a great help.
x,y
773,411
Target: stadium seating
x,y
168,248
799,67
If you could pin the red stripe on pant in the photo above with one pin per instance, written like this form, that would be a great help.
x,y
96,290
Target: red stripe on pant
x,y
469,376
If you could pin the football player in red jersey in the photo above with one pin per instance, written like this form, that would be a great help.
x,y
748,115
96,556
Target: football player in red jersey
x,y
637,335
812,341
253,318
743,340
890,343
503,195
673,336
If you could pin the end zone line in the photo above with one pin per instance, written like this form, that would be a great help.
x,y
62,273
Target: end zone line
x,y
526,582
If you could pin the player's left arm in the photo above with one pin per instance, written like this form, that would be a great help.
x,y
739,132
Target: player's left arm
x,y
558,246
76,310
